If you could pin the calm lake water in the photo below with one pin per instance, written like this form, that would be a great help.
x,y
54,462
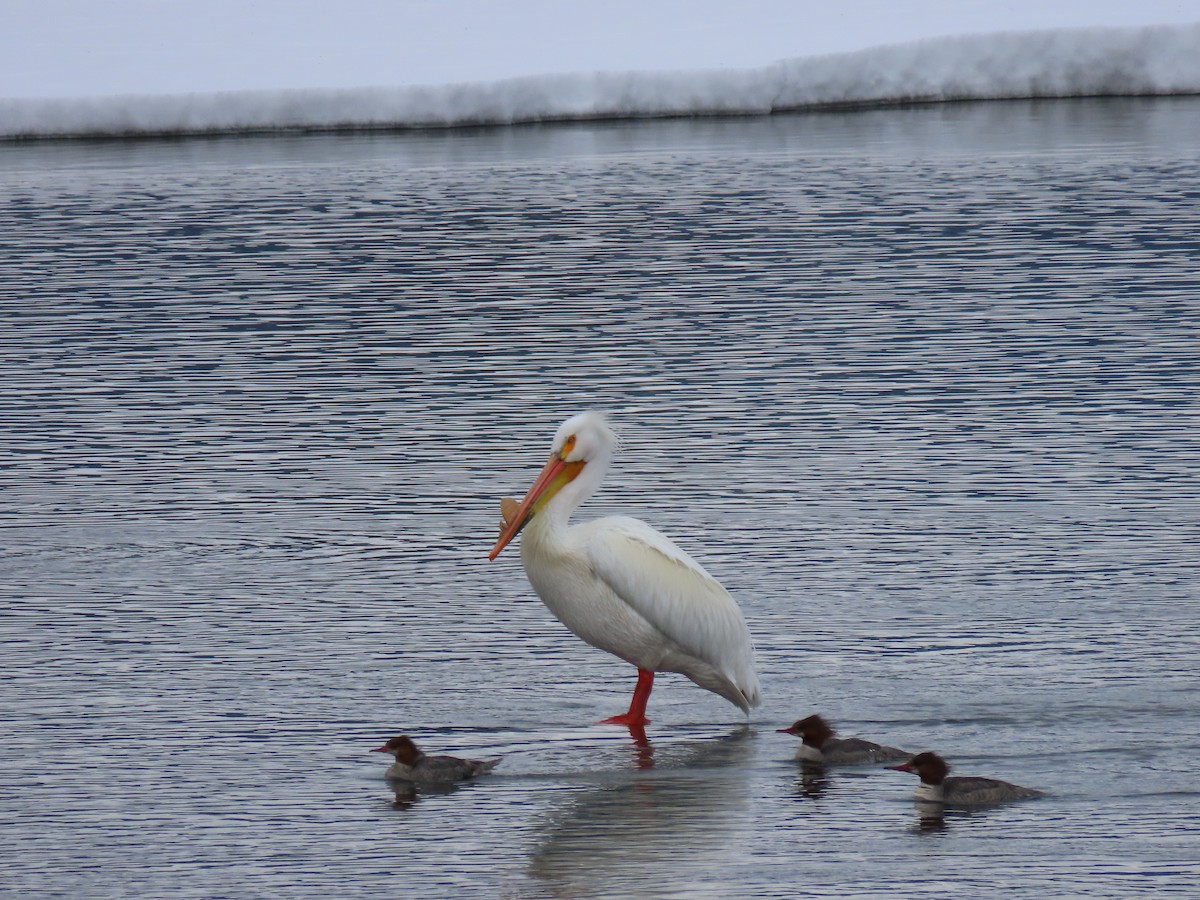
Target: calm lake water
x,y
918,385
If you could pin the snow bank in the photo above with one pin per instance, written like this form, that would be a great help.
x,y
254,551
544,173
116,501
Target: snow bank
x,y
1059,63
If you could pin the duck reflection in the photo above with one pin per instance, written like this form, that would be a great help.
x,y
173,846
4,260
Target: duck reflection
x,y
934,816
613,838
930,816
407,794
813,780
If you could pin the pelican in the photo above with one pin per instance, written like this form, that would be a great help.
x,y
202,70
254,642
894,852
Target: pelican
x,y
620,585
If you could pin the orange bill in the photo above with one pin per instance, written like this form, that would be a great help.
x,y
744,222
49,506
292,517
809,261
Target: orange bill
x,y
556,474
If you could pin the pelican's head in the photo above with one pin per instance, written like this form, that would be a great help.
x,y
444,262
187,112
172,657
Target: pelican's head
x,y
584,438
584,442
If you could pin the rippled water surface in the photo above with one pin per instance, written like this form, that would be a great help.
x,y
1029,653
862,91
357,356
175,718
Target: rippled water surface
x,y
919,386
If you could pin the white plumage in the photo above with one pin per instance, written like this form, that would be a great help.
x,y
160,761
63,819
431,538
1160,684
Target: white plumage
x,y
622,586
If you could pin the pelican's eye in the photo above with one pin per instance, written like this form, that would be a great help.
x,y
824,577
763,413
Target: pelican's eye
x,y
568,446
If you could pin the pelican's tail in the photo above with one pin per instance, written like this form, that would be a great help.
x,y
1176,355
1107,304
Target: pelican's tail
x,y
744,692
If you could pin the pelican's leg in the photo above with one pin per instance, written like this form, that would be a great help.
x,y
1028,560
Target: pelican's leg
x,y
637,706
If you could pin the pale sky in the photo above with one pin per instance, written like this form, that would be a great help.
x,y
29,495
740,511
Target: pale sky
x,y
75,48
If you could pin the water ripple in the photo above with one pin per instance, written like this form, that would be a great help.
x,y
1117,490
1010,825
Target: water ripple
x,y
918,385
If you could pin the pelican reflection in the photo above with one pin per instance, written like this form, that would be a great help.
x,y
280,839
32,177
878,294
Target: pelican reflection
x,y
616,837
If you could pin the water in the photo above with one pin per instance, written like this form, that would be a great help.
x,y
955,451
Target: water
x,y
918,385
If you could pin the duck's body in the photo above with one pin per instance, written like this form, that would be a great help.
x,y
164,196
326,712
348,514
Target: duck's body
x,y
819,745
413,765
938,787
441,769
851,752
959,790
623,587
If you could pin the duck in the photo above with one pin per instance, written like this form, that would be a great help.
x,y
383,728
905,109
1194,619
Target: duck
x,y
819,745
413,765
936,787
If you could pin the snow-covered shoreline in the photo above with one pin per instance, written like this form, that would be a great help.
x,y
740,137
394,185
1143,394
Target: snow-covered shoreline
x,y
1148,61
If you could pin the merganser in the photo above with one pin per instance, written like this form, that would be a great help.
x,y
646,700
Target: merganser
x,y
413,765
819,745
935,787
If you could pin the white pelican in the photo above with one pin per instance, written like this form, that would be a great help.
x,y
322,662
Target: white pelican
x,y
623,587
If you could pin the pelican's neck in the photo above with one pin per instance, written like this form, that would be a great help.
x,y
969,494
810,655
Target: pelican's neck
x,y
545,530
549,525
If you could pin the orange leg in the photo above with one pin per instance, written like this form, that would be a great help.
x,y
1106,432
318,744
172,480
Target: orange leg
x,y
637,706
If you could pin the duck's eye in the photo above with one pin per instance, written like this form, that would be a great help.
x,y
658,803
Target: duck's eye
x,y
568,446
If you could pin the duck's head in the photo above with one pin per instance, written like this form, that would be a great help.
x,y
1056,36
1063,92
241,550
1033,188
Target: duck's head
x,y
812,730
402,748
930,767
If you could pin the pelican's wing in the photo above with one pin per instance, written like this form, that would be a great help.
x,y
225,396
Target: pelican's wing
x,y
673,592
